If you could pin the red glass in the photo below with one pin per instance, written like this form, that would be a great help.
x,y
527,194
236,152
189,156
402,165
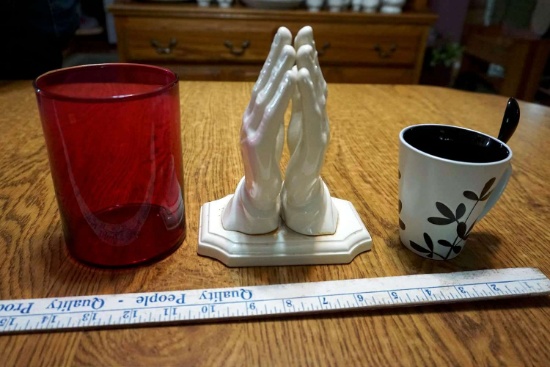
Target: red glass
x,y
113,137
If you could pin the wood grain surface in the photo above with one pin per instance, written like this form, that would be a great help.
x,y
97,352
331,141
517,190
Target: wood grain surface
x,y
361,167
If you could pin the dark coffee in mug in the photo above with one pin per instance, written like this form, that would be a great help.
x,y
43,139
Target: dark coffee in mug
x,y
456,144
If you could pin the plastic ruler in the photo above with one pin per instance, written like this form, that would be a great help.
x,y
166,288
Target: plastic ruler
x,y
210,305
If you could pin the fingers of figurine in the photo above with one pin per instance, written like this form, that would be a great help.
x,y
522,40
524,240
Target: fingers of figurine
x,y
275,110
283,64
253,115
312,123
282,38
296,100
304,37
306,59
295,123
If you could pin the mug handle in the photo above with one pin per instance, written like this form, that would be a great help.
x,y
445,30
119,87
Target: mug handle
x,y
497,191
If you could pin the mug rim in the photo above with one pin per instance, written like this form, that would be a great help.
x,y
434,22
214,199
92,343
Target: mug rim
x,y
409,146
44,92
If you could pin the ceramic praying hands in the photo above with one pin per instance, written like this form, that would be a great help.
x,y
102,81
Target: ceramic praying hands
x,y
268,221
303,200
255,207
307,206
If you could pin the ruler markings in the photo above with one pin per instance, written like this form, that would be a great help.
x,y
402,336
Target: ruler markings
x,y
88,311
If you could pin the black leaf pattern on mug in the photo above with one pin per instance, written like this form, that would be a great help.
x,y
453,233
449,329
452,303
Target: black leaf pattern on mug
x,y
445,243
486,192
401,223
460,211
448,217
428,250
461,230
471,195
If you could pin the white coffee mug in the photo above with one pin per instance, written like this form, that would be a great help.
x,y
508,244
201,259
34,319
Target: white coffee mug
x,y
449,178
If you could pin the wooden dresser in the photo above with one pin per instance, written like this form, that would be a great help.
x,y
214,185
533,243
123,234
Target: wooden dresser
x,y
212,43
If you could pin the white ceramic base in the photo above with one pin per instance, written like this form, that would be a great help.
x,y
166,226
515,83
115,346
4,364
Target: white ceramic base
x,y
283,246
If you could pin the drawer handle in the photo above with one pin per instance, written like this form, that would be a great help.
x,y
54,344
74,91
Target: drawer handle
x,y
237,51
384,54
164,50
323,49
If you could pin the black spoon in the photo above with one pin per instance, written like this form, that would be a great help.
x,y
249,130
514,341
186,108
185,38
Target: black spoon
x,y
510,120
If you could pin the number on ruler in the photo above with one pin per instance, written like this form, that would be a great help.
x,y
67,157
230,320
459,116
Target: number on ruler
x,y
128,314
91,316
170,311
48,319
390,296
7,321
205,308
494,287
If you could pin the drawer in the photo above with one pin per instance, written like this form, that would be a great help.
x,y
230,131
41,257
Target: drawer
x,y
363,44
248,41
332,74
193,40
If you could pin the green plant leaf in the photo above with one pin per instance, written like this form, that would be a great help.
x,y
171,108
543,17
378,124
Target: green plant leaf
x,y
470,195
444,209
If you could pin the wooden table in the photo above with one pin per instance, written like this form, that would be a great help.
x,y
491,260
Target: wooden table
x,y
361,166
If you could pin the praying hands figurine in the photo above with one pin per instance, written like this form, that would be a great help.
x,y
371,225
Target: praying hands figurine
x,y
255,207
307,206
269,221
261,197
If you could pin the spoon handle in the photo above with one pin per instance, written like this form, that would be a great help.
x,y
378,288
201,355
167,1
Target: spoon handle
x,y
509,121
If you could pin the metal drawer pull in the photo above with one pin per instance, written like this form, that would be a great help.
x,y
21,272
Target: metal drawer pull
x,y
237,51
162,50
323,49
384,54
